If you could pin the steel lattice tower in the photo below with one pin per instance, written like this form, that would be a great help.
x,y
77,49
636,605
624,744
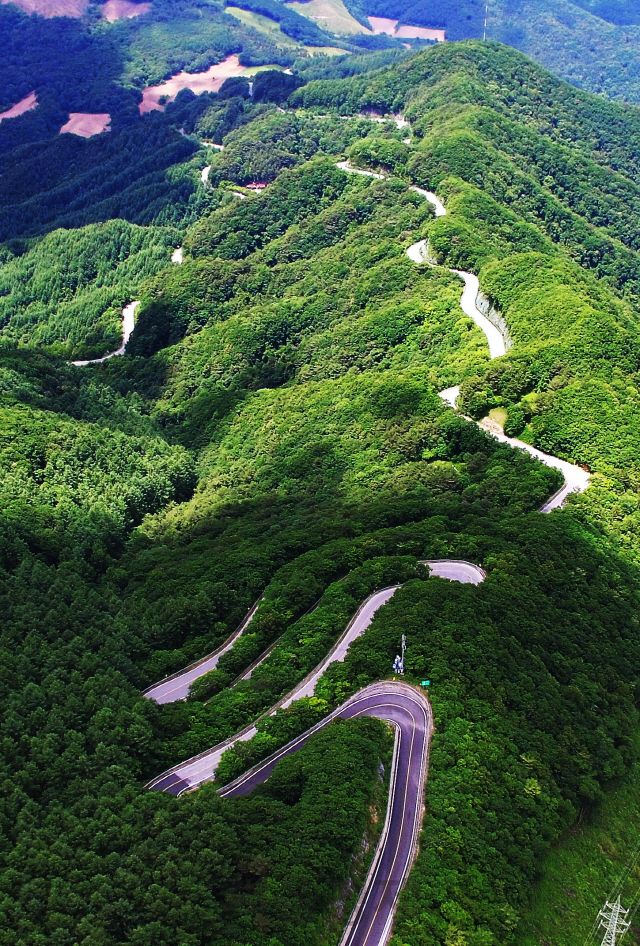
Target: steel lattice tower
x,y
612,920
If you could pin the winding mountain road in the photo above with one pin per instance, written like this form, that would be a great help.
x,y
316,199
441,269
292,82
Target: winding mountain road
x,y
202,767
405,707
128,322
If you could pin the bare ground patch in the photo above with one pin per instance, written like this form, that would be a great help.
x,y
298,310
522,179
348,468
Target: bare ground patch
x,y
49,8
209,81
382,24
331,15
114,10
86,124
25,105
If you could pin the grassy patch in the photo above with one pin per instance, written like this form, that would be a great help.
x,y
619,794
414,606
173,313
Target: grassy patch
x,y
498,415
582,870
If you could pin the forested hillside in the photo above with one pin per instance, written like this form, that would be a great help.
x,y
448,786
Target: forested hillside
x,y
274,434
591,43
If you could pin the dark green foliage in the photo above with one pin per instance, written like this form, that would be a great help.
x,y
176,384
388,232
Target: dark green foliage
x,y
122,175
68,291
528,722
241,228
238,85
274,86
333,67
591,43
49,56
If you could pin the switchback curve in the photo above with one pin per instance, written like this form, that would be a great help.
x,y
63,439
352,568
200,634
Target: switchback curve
x,y
370,923
201,768
408,710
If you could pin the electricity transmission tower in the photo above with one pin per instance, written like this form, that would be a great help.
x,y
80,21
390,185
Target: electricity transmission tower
x,y
486,13
613,922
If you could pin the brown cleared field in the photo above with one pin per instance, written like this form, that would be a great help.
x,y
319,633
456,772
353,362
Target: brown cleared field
x,y
381,24
86,124
331,15
419,32
209,81
114,10
49,8
25,105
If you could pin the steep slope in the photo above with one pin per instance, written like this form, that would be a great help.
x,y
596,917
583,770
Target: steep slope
x,y
535,177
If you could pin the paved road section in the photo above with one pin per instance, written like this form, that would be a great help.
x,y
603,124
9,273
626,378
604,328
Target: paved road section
x,y
452,569
176,686
128,322
405,707
576,479
201,768
409,712
418,254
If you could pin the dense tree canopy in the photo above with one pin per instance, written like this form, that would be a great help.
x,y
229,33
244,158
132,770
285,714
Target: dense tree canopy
x,y
274,434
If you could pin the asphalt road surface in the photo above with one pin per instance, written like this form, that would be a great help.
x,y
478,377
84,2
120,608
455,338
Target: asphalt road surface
x,y
408,710
576,479
405,707
176,686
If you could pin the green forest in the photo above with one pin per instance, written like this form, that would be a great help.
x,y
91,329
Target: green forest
x,y
274,434
593,44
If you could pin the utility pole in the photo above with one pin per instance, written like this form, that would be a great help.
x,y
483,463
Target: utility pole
x,y
486,14
398,663
613,922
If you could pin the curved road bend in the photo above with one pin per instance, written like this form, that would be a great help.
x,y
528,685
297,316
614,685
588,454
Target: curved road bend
x,y
371,921
176,686
128,322
576,479
201,768
417,253
409,712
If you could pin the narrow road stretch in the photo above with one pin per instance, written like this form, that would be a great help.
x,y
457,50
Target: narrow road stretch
x,y
128,322
408,710
176,686
576,480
